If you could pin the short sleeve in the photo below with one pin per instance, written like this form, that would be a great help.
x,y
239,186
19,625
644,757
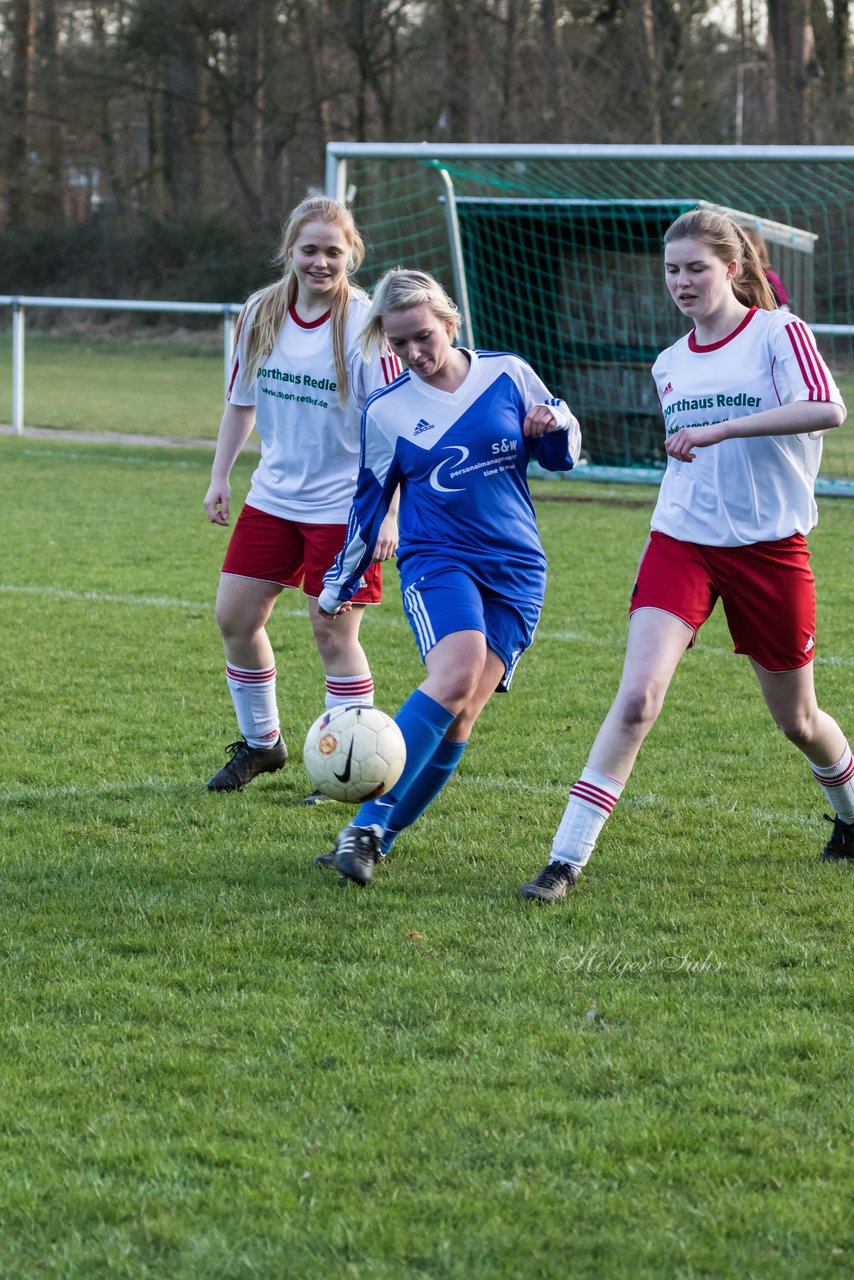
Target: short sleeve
x,y
367,376
799,366
240,390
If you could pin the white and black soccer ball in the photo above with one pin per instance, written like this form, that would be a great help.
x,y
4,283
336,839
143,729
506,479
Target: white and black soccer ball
x,y
354,753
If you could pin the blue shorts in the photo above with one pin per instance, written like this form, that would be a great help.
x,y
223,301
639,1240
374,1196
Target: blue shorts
x,y
447,600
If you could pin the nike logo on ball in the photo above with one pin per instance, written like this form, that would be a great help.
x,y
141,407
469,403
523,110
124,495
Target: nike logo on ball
x,y
345,776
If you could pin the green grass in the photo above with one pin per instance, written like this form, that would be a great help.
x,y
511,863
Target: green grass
x,y
145,386
150,386
837,458
217,1063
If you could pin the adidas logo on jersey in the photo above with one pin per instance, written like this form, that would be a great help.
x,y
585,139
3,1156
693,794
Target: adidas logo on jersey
x,y
423,425
667,390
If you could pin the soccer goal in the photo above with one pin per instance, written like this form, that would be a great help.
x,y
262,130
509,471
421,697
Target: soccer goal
x,y
555,252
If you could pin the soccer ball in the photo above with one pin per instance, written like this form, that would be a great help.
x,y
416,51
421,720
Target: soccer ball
x,y
354,753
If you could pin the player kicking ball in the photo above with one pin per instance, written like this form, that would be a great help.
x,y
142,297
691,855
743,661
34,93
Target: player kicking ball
x,y
746,399
455,432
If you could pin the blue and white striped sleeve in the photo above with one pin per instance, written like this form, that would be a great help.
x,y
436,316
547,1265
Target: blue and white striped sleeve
x,y
376,484
557,450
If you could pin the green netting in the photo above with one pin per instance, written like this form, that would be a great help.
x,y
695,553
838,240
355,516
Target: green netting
x,y
561,261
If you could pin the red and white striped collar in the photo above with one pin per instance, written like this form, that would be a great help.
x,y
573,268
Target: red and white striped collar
x,y
694,345
308,324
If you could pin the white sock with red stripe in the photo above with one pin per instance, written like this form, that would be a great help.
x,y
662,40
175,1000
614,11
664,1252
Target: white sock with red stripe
x,y
254,697
345,691
590,803
837,783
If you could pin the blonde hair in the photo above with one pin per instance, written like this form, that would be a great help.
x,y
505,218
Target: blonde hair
x,y
399,290
269,306
730,243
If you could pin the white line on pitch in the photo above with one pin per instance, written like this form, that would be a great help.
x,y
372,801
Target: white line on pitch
x,y
757,817
102,789
163,602
125,459
100,597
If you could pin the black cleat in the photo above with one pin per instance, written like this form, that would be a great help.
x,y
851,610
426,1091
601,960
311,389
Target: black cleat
x,y
550,884
327,860
246,763
357,849
316,797
840,846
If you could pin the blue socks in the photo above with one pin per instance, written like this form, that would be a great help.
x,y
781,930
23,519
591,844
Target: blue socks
x,y
423,723
423,790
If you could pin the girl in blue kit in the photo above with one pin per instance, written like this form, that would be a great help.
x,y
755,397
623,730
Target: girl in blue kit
x,y
455,432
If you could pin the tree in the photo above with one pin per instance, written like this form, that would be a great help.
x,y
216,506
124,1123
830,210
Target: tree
x,y
789,33
159,108
832,62
49,76
22,30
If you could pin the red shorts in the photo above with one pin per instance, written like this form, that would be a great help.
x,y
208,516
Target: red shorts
x,y
284,551
767,589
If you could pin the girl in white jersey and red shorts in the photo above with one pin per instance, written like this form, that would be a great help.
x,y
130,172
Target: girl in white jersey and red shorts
x,y
746,398
298,376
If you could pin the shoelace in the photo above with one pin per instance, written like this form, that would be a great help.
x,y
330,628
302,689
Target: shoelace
x,y
234,747
350,840
356,839
555,872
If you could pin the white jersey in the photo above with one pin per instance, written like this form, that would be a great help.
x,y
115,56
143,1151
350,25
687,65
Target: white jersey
x,y
741,491
309,443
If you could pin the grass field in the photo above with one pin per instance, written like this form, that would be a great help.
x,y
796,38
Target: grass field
x,y
145,386
217,1064
161,387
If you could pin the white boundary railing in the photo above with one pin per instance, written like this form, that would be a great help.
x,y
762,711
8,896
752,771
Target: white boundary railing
x,y
20,302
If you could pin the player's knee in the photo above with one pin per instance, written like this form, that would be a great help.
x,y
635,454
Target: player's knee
x,y
464,722
458,689
327,641
800,727
639,708
235,624
336,655
335,641
225,619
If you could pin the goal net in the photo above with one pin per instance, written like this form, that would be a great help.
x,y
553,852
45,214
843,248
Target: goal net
x,y
555,252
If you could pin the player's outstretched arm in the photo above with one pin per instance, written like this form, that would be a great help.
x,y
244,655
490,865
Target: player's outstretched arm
x,y
234,430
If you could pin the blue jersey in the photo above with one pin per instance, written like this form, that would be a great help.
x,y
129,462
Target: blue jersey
x,y
460,460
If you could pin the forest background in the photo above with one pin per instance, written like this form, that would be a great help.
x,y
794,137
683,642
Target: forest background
x,y
153,147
